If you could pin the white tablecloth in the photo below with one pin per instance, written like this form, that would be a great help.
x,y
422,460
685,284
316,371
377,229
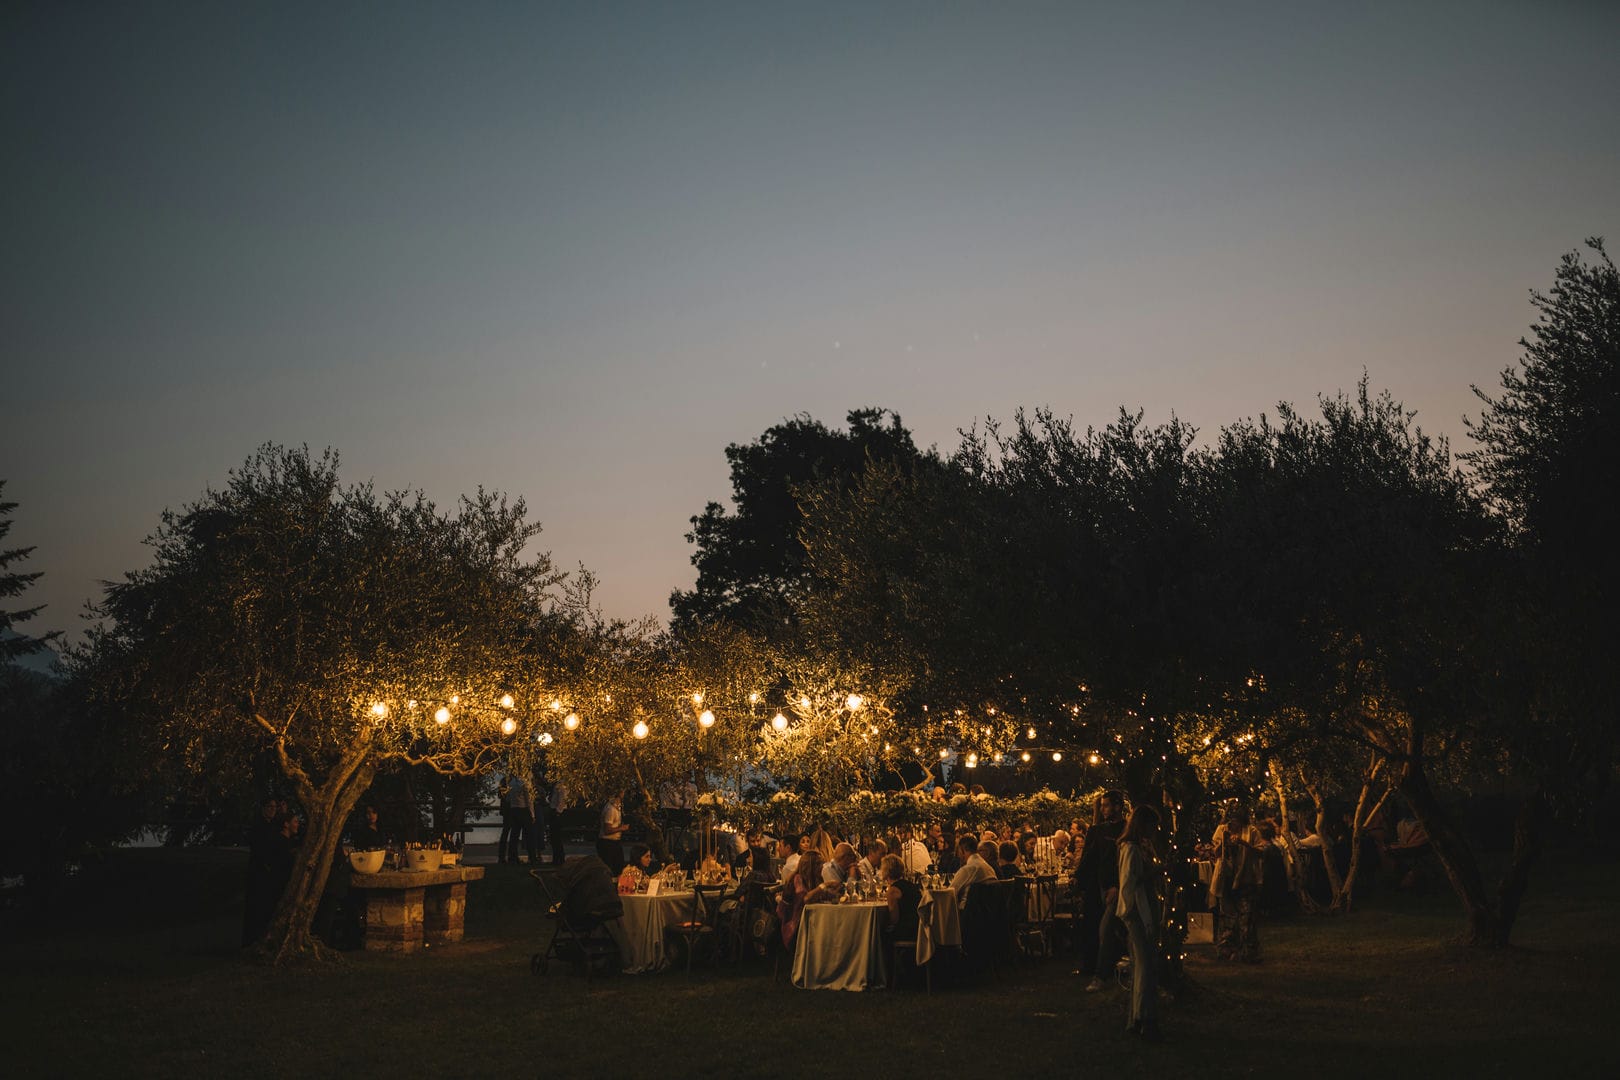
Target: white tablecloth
x,y
645,919
839,947
939,923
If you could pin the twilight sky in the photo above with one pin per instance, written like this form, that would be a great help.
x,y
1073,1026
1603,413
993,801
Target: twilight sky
x,y
572,251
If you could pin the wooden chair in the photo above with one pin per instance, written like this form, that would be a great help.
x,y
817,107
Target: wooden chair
x,y
704,923
899,947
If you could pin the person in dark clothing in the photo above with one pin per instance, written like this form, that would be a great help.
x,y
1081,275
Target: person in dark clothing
x,y
902,896
261,894
1098,874
366,836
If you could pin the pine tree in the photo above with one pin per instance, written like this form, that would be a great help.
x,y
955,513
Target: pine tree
x,y
12,643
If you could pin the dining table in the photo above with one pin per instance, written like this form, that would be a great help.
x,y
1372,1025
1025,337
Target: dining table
x,y
840,947
646,918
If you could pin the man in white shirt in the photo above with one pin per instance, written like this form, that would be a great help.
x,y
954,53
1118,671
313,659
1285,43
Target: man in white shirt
x,y
974,869
914,854
868,866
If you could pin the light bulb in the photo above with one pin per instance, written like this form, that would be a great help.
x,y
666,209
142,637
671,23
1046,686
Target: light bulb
x,y
854,701
1057,755
1025,755
1094,759
804,701
706,718
379,710
943,754
1031,733
508,726
441,715
779,722
571,721
697,699
753,699
640,730
544,738
556,706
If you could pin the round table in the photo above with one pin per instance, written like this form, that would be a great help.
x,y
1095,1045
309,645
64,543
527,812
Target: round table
x,y
839,947
645,920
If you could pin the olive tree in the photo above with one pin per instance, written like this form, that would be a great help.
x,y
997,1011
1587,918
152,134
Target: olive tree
x,y
338,630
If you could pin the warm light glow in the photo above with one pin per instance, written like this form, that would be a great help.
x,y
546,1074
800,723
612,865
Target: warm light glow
x,y
441,715
1031,733
697,699
640,730
1094,759
379,710
571,721
753,699
1057,755
455,699
854,701
973,761
556,706
998,758
508,726
706,718
804,701
779,722
544,738
411,704
943,754
1025,755
506,701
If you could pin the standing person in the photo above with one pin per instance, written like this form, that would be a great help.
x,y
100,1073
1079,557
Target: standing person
x,y
523,820
1138,909
508,841
264,840
558,802
1098,872
610,834
1235,885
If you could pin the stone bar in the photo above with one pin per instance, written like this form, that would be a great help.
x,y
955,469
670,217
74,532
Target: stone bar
x,y
406,908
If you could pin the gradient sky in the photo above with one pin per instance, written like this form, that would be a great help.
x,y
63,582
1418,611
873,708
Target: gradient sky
x,y
572,251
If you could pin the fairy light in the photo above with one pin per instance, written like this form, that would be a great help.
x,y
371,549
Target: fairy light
x,y
1024,757
571,721
506,701
556,705
854,702
706,718
544,738
508,726
1057,755
379,710
753,698
640,730
779,722
441,715
697,698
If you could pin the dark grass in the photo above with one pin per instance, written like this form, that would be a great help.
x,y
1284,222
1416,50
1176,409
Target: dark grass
x,y
135,973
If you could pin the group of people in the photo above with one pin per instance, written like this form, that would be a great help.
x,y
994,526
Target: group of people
x,y
523,818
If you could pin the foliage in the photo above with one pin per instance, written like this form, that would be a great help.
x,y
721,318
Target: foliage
x,y
337,629
749,561
13,643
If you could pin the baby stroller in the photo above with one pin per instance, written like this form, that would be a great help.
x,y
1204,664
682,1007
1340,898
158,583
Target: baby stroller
x,y
579,909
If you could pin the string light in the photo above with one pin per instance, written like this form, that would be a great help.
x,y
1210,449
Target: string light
x,y
804,701
379,710
706,718
1025,756
508,726
640,730
854,701
753,698
779,722
455,699
1057,755
441,715
571,721
556,706
697,699
1094,759
506,701
544,738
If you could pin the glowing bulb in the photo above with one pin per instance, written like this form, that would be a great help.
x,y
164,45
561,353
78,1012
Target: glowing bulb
x,y
854,701
640,730
917,750
379,710
997,759
441,715
1025,756
1030,733
697,699
706,718
556,706
943,754
571,721
804,701
544,738
508,726
455,699
1057,755
1094,759
973,761
506,701
779,722
753,699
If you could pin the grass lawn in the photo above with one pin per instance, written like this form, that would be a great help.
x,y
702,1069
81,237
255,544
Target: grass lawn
x,y
138,975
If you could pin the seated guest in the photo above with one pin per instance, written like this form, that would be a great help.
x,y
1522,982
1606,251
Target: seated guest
x,y
841,867
805,882
789,849
876,851
973,867
1060,847
902,895
915,853
1007,860
949,859
633,878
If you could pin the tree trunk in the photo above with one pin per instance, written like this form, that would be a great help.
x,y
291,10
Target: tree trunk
x,y
1453,851
291,936
1528,832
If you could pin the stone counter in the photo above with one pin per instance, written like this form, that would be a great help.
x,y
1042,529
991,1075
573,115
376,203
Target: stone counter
x,y
405,908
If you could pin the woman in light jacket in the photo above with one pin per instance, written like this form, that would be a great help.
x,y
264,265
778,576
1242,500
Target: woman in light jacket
x,y
1138,909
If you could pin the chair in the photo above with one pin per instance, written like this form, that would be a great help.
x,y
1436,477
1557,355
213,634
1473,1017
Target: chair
x,y
987,923
1033,914
898,947
704,923
582,942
